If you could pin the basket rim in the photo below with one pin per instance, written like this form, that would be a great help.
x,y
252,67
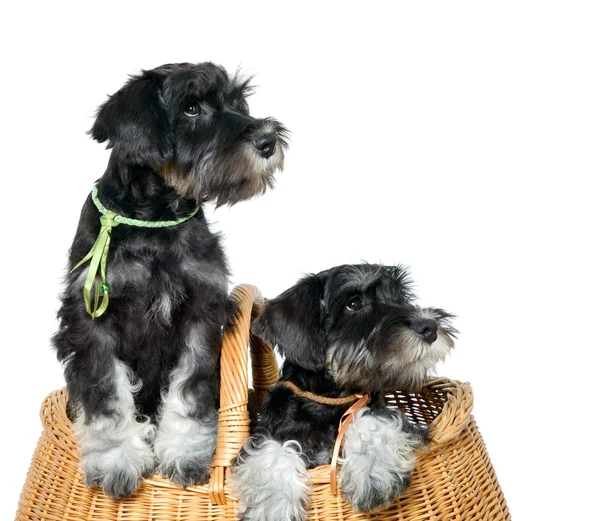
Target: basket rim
x,y
447,426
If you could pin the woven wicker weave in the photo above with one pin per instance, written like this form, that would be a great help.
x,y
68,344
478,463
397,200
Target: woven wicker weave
x,y
453,480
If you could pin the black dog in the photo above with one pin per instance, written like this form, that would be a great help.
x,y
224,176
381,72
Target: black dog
x,y
180,135
350,329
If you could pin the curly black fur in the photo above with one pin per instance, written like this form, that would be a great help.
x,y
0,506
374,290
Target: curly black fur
x,y
334,351
350,329
180,135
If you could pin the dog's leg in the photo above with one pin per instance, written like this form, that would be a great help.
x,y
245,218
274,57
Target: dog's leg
x,y
378,458
272,481
187,433
114,446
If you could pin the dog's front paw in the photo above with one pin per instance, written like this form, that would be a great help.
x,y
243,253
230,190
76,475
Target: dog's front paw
x,y
185,471
119,470
185,449
123,482
375,492
115,453
272,481
378,459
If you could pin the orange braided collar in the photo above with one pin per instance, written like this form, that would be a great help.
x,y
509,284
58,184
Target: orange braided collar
x,y
318,398
360,401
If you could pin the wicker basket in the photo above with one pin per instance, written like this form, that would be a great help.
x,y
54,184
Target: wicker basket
x,y
453,480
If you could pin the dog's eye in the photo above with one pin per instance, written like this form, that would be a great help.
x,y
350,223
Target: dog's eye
x,y
191,110
354,304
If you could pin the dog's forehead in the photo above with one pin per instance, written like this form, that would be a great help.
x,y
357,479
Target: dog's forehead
x,y
362,277
200,80
197,79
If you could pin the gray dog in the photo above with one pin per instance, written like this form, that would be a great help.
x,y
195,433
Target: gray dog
x,y
349,329
142,369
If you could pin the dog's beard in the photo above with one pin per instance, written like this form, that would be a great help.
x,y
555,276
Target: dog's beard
x,y
227,180
402,361
418,361
229,176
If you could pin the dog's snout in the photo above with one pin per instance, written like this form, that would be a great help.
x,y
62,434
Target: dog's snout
x,y
426,328
265,144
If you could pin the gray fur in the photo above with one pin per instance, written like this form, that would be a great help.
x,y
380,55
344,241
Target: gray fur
x,y
272,481
115,449
180,135
184,443
349,329
378,457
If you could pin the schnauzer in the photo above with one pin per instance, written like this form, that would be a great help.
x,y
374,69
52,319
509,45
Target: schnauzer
x,y
142,370
349,329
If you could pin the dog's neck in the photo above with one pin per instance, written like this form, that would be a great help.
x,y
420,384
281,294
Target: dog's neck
x,y
138,192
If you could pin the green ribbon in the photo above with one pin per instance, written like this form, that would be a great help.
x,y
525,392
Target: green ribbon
x,y
98,255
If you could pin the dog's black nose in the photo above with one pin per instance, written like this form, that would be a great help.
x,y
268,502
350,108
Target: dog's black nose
x,y
265,144
427,328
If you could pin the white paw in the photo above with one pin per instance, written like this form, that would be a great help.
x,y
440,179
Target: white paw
x,y
272,482
185,448
378,458
117,460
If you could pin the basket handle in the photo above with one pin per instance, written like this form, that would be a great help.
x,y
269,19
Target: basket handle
x,y
234,419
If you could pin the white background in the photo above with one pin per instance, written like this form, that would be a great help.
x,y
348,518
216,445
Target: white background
x,y
458,138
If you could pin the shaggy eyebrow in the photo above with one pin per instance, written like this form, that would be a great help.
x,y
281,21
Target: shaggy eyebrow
x,y
362,286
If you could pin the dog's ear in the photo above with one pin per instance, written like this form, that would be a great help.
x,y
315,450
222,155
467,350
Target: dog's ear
x,y
293,322
135,123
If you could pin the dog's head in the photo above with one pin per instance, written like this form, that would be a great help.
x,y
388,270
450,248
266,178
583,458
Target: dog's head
x,y
190,123
360,325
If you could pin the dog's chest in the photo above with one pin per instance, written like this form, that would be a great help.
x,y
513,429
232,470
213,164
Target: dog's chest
x,y
161,279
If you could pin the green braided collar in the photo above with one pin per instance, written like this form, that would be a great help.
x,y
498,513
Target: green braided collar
x,y
98,255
